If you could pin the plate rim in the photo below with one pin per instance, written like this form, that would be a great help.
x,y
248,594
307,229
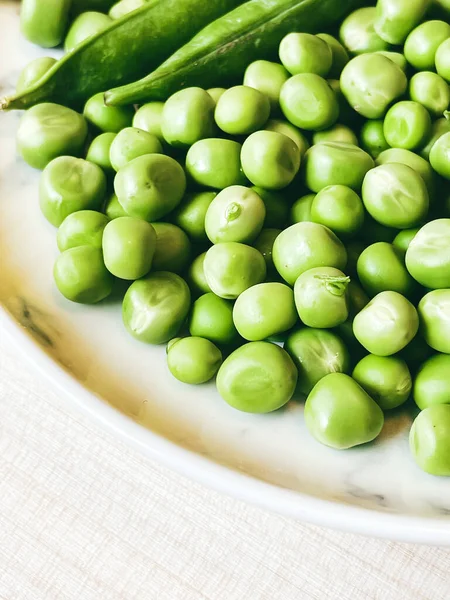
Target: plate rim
x,y
225,480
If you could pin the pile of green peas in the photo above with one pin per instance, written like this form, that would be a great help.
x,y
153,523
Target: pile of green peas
x,y
290,235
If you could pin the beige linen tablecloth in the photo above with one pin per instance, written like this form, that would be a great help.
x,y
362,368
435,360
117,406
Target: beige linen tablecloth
x,y
83,517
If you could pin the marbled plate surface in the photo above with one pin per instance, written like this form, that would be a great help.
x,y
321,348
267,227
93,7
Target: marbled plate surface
x,y
268,459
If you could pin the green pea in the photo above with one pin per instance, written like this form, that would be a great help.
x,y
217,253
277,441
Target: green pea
x,y
339,208
395,19
434,313
47,131
381,268
403,239
190,214
82,228
431,91
155,307
438,128
215,93
442,60
107,118
308,102
44,23
270,159
193,360
321,297
84,26
236,214
432,382
33,72
304,246
428,255
387,324
277,209
407,125
173,248
196,276
113,208
267,77
231,267
81,276
264,310
150,186
301,209
215,163
258,377
395,195
148,117
128,247
440,156
337,133
212,318
70,184
264,244
371,82
241,110
386,379
339,54
340,414
422,43
98,151
429,440
187,117
357,32
305,53
336,163
397,58
316,353
290,131
416,162
131,143
372,138
123,7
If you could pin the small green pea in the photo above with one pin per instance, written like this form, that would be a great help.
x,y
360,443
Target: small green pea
x,y
98,151
82,228
193,360
33,72
148,117
131,143
305,53
190,214
211,317
107,118
242,110
372,138
267,77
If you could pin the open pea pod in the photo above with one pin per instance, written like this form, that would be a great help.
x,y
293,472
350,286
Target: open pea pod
x,y
126,50
223,49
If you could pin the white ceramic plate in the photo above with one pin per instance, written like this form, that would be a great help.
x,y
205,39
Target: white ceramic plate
x,y
270,460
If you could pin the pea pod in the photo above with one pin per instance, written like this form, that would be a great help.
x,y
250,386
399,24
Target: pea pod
x,y
126,50
223,49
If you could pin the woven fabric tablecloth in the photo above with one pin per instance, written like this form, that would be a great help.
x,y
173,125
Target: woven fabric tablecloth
x,y
84,517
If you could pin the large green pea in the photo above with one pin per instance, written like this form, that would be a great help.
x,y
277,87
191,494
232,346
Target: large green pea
x,y
44,24
148,117
47,131
264,310
193,360
386,379
429,440
428,255
407,125
212,318
381,267
84,26
416,162
357,32
340,414
395,195
173,248
432,382
316,353
387,324
215,163
432,91
304,246
339,208
190,214
155,307
68,185
128,247
305,53
371,82
82,228
230,268
434,313
321,297
258,377
81,276
442,60
336,163
241,110
267,77
422,43
395,19
107,118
